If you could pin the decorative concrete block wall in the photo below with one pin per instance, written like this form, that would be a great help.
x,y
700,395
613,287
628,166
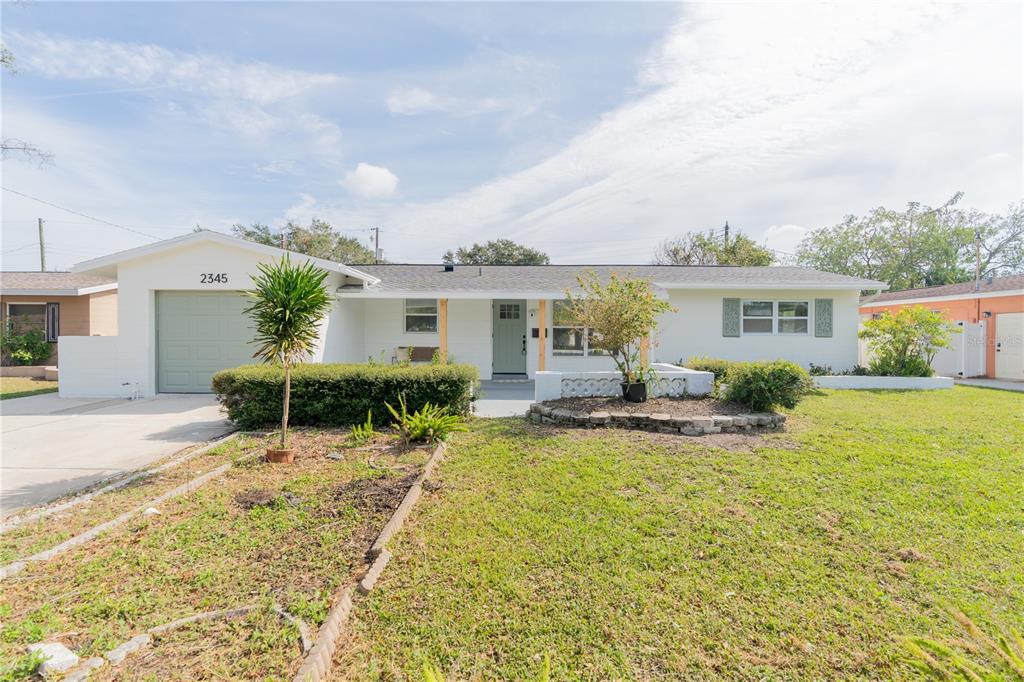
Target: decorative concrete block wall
x,y
672,381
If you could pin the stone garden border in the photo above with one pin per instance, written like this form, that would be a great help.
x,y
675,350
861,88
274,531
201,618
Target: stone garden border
x,y
658,422
317,662
85,536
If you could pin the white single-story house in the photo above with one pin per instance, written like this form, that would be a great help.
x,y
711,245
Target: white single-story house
x,y
180,316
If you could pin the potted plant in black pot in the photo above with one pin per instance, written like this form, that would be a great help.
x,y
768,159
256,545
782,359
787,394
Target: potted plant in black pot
x,y
619,315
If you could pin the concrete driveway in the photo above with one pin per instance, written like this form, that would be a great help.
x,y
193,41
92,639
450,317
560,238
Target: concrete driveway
x,y
51,446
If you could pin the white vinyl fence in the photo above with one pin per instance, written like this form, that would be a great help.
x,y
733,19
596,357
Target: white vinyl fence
x,y
964,358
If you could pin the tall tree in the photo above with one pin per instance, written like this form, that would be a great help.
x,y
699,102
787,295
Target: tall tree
x,y
919,246
699,248
496,252
12,145
319,239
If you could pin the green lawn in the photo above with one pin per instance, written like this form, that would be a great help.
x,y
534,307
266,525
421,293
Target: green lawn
x,y
624,555
19,387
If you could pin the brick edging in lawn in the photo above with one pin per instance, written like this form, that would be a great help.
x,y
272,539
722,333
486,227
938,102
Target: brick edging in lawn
x,y
188,486
21,519
317,662
656,421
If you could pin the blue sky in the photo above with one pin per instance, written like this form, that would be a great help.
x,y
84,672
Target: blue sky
x,y
591,131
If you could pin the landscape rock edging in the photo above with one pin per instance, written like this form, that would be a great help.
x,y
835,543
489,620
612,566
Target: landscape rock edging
x,y
658,422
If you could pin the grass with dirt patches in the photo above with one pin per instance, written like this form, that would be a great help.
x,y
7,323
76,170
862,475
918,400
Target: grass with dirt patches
x,y
48,531
628,556
21,387
208,550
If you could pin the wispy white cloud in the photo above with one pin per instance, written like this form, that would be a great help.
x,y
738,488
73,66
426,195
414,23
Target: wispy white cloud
x,y
152,66
763,113
370,182
414,101
252,99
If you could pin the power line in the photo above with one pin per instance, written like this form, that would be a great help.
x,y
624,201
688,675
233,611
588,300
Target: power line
x,y
78,213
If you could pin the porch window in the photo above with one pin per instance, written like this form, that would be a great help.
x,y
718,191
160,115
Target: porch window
x,y
567,339
421,315
23,317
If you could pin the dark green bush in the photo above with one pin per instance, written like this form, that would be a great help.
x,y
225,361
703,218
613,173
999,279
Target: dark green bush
x,y
27,348
702,363
763,385
341,395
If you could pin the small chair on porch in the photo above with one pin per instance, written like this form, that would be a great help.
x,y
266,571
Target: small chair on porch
x,y
413,354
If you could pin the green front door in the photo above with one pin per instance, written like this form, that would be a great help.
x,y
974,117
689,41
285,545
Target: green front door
x,y
199,333
509,329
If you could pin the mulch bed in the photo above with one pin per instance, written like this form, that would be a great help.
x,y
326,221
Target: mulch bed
x,y
675,407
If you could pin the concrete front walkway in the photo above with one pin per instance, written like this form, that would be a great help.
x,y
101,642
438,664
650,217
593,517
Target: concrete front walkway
x,y
52,446
504,398
1001,384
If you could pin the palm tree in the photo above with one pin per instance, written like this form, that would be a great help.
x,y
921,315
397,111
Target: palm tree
x,y
288,302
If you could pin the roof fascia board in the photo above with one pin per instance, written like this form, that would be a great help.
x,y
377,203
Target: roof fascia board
x,y
59,292
776,286
939,299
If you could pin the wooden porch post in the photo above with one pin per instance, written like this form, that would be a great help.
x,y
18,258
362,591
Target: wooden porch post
x,y
442,327
542,344
645,351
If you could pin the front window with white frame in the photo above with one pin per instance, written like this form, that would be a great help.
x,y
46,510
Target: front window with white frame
x,y
767,318
568,339
421,315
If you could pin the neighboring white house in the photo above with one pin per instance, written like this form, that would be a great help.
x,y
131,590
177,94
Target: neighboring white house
x,y
180,316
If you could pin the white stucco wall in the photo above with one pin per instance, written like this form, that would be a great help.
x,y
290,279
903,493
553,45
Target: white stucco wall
x,y
344,340
696,329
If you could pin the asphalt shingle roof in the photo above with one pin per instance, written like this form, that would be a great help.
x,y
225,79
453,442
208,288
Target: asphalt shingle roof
x,y
552,278
49,281
1014,282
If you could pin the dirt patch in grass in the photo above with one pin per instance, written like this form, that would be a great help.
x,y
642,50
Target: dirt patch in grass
x,y
375,495
676,407
205,551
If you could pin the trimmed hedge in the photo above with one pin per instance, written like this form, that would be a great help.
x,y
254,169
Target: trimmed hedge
x,y
703,363
763,385
340,395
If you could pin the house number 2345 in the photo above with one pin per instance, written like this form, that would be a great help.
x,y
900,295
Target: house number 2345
x,y
213,278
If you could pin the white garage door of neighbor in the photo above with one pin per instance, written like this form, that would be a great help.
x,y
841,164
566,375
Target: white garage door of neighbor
x,y
199,333
1010,346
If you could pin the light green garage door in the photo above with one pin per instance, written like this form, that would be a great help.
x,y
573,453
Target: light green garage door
x,y
199,333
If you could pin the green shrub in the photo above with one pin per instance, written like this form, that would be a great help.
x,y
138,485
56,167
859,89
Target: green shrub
x,y
431,423
702,363
903,344
27,348
340,395
763,385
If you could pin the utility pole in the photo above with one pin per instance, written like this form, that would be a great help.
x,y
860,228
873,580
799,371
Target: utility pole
x,y
727,234
376,244
977,258
283,240
42,248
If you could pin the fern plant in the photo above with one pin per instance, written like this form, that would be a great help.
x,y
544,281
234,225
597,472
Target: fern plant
x,y
942,662
431,423
364,433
